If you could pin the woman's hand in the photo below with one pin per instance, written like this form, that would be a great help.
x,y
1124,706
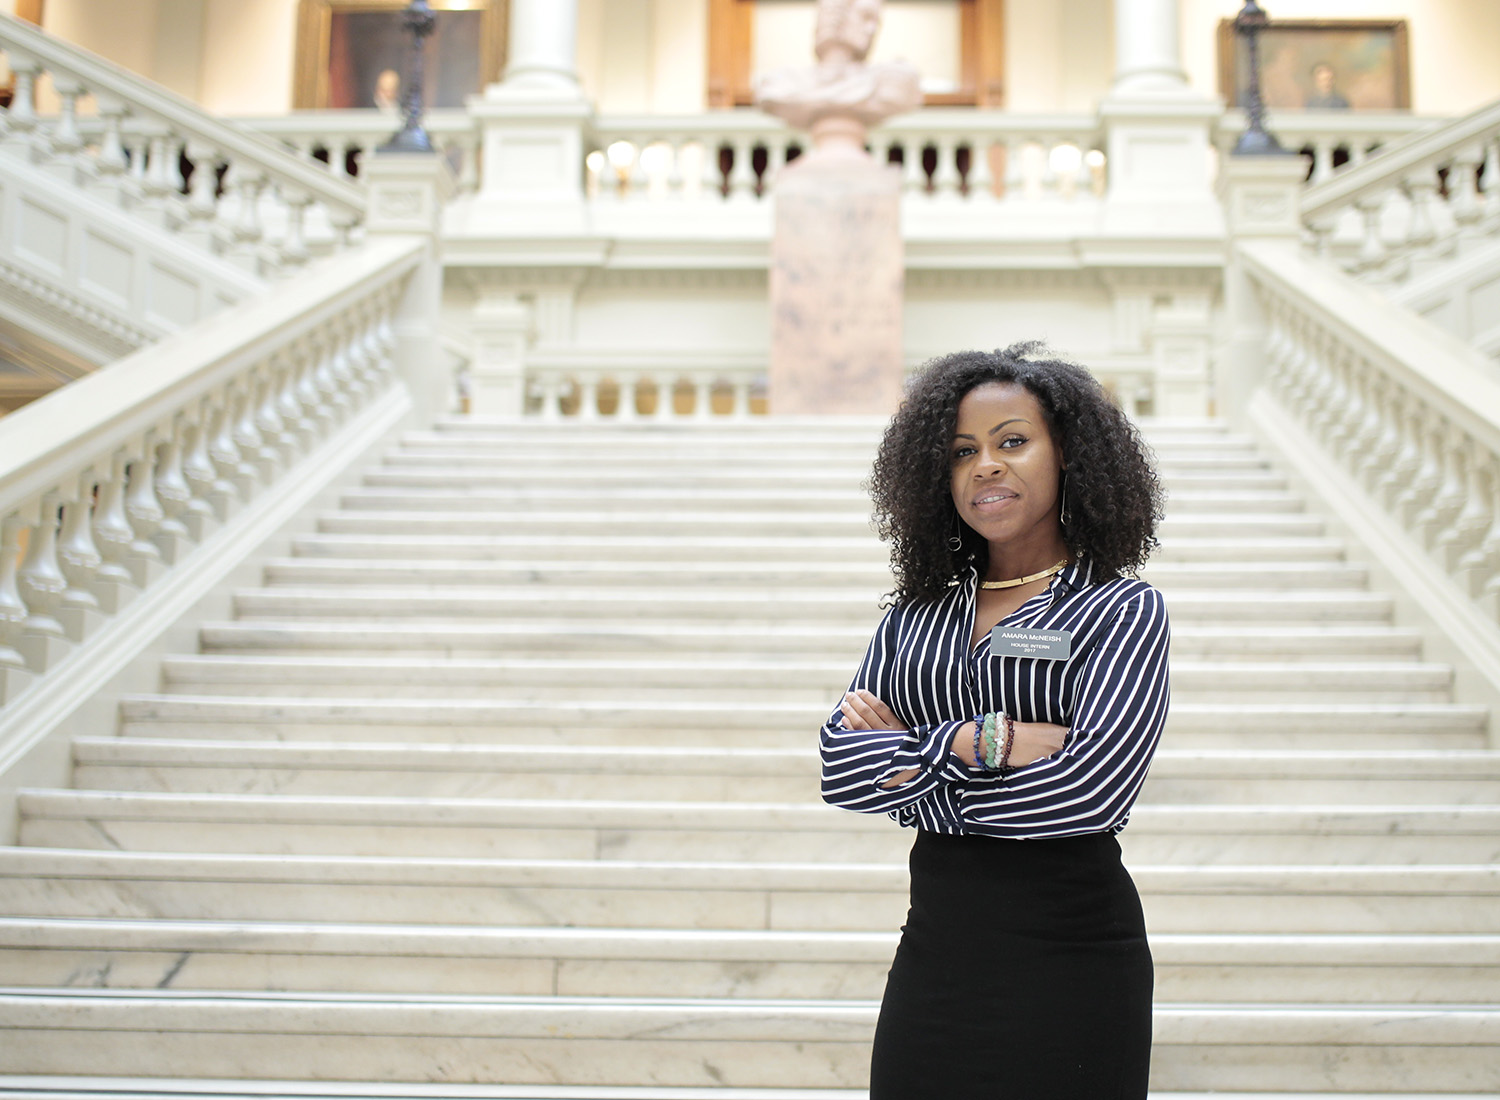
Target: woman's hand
x,y
1034,741
863,711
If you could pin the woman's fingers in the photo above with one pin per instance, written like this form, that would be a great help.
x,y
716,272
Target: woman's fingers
x,y
864,711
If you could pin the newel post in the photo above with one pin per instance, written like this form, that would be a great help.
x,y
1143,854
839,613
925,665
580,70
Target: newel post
x,y
407,194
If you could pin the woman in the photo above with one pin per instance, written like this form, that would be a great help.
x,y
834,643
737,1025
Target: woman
x,y
1008,708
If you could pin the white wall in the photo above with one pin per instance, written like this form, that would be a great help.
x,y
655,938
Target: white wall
x,y
249,46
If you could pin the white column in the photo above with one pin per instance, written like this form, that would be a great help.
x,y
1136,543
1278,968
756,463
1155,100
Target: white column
x,y
543,46
1148,51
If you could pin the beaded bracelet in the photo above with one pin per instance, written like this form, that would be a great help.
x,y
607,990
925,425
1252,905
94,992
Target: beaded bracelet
x,y
992,740
978,733
1010,740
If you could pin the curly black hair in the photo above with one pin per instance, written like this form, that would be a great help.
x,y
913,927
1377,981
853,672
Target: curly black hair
x,y
1113,494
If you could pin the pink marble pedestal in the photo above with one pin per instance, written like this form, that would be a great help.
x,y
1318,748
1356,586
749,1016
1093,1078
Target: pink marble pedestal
x,y
837,275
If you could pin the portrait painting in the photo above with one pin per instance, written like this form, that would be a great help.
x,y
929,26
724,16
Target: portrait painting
x,y
1320,65
351,54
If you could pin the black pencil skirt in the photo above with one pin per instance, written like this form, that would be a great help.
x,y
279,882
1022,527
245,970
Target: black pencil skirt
x,y
1023,973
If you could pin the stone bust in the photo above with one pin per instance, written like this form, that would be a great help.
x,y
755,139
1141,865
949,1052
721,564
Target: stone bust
x,y
844,88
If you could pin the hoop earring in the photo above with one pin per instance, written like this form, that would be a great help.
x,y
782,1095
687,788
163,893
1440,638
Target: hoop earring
x,y
955,540
1066,514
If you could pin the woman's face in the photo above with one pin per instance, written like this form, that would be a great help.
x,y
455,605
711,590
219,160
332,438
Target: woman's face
x,y
1006,469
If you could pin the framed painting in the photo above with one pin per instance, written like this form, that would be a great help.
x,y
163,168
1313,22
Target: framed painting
x,y
1321,65
351,53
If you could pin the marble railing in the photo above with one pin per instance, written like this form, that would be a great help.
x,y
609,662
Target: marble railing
x,y
163,158
611,385
1333,142
112,486
1411,416
338,142
944,153
1419,197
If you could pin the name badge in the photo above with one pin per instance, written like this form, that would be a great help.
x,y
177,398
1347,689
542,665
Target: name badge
x,y
1047,645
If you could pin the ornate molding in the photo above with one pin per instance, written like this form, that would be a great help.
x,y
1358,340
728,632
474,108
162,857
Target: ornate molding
x,y
113,336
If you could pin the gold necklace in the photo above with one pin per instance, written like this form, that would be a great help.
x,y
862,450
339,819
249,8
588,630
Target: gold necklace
x,y
1058,568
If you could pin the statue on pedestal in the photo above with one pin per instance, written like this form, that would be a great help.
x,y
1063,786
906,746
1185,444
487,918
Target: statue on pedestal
x,y
845,94
837,262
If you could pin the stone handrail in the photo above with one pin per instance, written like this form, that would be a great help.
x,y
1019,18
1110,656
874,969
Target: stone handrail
x,y
116,483
945,153
162,157
1410,414
1353,135
1421,194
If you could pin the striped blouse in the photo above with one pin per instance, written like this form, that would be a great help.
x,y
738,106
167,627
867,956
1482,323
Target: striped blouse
x,y
1111,692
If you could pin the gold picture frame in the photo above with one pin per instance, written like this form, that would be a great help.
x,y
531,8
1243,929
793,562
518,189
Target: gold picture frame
x,y
344,47
1322,64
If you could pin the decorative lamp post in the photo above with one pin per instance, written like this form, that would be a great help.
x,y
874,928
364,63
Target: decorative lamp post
x,y
1255,141
412,137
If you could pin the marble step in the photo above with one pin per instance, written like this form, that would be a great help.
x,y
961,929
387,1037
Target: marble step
x,y
852,551
757,723
693,773
609,499
682,1042
678,522
540,636
59,1087
630,962
842,477
855,579
1333,898
1153,429
784,678
765,831
733,605
1170,461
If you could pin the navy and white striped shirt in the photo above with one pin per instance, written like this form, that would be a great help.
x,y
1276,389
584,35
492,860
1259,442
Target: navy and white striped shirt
x,y
1111,692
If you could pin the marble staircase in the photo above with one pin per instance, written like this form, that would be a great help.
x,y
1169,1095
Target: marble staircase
x,y
506,777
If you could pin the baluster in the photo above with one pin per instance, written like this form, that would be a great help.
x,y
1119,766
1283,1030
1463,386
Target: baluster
x,y
246,184
627,383
1491,184
1463,536
111,164
211,501
137,146
314,415
742,172
144,513
360,357
162,170
229,480
587,388
1372,252
666,397
1429,475
324,379
740,387
284,413
114,583
15,675
1015,169
42,585
343,369
1403,468
550,384
79,560
676,182
1084,175
1463,188
1421,187
946,179
1049,184
637,179
1342,404
257,459
1437,516
913,176
293,250
606,177
173,493
21,117
1322,229
1322,159
1480,567
703,396
1371,436
66,142
203,200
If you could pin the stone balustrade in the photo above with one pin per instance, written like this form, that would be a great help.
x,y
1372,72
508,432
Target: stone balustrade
x,y
112,485
944,153
340,141
1413,418
1332,141
1421,197
154,154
